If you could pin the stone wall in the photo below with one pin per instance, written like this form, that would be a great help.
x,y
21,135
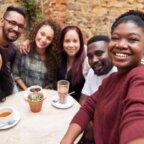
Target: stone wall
x,y
92,16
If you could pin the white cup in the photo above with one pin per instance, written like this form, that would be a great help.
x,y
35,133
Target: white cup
x,y
6,114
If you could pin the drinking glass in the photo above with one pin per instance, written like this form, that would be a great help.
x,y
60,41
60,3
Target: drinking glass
x,y
63,89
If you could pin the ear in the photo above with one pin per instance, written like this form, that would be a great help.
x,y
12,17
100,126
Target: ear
x,y
1,22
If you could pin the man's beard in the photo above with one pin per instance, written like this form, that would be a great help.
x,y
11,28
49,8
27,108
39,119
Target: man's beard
x,y
105,71
6,37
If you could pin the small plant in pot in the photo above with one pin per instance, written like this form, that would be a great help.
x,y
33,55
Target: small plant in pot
x,y
35,101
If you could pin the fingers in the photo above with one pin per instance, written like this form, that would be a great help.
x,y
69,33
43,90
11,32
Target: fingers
x,y
23,49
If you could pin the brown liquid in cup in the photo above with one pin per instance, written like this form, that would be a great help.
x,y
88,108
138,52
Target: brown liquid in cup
x,y
4,114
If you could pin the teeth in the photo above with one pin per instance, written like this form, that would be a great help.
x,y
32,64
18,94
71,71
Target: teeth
x,y
121,55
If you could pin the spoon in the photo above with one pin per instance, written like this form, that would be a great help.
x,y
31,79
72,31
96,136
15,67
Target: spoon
x,y
2,124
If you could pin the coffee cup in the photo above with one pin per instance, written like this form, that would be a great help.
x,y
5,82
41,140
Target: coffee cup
x,y
6,114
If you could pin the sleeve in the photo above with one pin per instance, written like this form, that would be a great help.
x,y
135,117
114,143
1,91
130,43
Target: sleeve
x,y
86,67
17,66
132,121
86,88
86,112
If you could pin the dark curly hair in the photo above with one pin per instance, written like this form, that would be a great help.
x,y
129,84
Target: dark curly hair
x,y
52,51
135,16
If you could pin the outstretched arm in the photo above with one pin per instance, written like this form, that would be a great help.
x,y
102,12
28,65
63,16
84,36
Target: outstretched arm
x,y
137,141
0,61
72,133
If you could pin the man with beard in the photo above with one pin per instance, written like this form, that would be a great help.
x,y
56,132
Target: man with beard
x,y
101,65
12,26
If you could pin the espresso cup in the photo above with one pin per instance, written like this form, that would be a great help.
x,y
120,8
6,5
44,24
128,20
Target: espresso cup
x,y
6,114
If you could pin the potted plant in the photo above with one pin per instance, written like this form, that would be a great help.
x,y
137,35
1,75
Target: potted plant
x,y
35,100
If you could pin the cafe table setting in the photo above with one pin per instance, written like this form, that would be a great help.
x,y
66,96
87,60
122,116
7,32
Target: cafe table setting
x,y
26,125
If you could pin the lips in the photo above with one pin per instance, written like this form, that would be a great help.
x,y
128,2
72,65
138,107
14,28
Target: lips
x,y
121,55
97,67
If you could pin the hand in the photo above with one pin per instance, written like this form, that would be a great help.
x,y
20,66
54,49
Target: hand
x,y
24,47
1,61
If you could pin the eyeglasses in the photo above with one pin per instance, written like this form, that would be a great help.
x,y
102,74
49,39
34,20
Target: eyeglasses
x,y
14,24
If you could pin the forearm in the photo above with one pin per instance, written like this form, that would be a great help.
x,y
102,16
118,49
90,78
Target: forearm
x,y
83,98
21,84
137,141
72,133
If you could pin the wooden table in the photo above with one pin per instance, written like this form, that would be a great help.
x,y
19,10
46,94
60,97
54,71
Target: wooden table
x,y
45,127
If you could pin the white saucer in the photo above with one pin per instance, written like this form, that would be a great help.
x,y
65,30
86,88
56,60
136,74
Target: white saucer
x,y
16,117
55,102
26,94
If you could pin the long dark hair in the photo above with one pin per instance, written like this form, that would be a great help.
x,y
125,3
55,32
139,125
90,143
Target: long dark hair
x,y
76,69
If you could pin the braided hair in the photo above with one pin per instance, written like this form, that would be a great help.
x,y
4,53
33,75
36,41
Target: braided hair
x,y
135,16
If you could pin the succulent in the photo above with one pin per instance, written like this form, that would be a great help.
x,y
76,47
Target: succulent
x,y
35,96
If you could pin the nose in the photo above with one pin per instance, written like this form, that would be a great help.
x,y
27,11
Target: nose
x,y
16,28
122,44
95,59
71,44
43,39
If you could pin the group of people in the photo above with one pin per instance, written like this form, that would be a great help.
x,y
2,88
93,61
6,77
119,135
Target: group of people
x,y
111,92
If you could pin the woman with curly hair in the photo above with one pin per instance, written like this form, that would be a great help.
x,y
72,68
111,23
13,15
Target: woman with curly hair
x,y
39,66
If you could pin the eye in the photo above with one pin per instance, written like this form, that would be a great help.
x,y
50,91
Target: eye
x,y
115,38
90,56
66,40
99,53
133,39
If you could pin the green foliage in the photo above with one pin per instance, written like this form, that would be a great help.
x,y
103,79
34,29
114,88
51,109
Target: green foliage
x,y
33,10
36,96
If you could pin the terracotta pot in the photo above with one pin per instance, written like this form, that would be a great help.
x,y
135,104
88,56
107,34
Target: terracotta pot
x,y
35,106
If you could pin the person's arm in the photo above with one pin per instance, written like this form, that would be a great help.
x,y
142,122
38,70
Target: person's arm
x,y
72,133
132,120
1,61
24,47
21,84
17,66
83,98
137,141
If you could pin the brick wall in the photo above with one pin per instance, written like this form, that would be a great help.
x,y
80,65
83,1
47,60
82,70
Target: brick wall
x,y
92,16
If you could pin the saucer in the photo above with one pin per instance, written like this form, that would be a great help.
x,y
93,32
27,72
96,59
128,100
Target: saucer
x,y
16,117
55,102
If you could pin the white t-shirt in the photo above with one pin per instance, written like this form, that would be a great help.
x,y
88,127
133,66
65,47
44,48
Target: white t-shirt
x,y
93,81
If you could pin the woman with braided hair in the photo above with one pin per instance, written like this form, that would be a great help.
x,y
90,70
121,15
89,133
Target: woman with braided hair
x,y
117,108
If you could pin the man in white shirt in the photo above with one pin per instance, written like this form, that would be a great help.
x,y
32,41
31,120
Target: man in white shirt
x,y
101,65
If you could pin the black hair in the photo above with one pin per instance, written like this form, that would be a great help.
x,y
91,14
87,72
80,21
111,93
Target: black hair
x,y
19,10
135,16
98,38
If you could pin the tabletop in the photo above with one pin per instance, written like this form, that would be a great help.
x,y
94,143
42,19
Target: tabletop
x,y
45,127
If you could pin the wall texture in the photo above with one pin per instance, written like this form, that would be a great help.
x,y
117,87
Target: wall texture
x,y
92,16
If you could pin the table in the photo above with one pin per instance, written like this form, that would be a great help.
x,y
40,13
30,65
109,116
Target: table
x,y
45,127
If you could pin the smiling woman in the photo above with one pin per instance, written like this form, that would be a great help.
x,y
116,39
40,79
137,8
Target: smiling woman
x,y
39,66
72,59
117,108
